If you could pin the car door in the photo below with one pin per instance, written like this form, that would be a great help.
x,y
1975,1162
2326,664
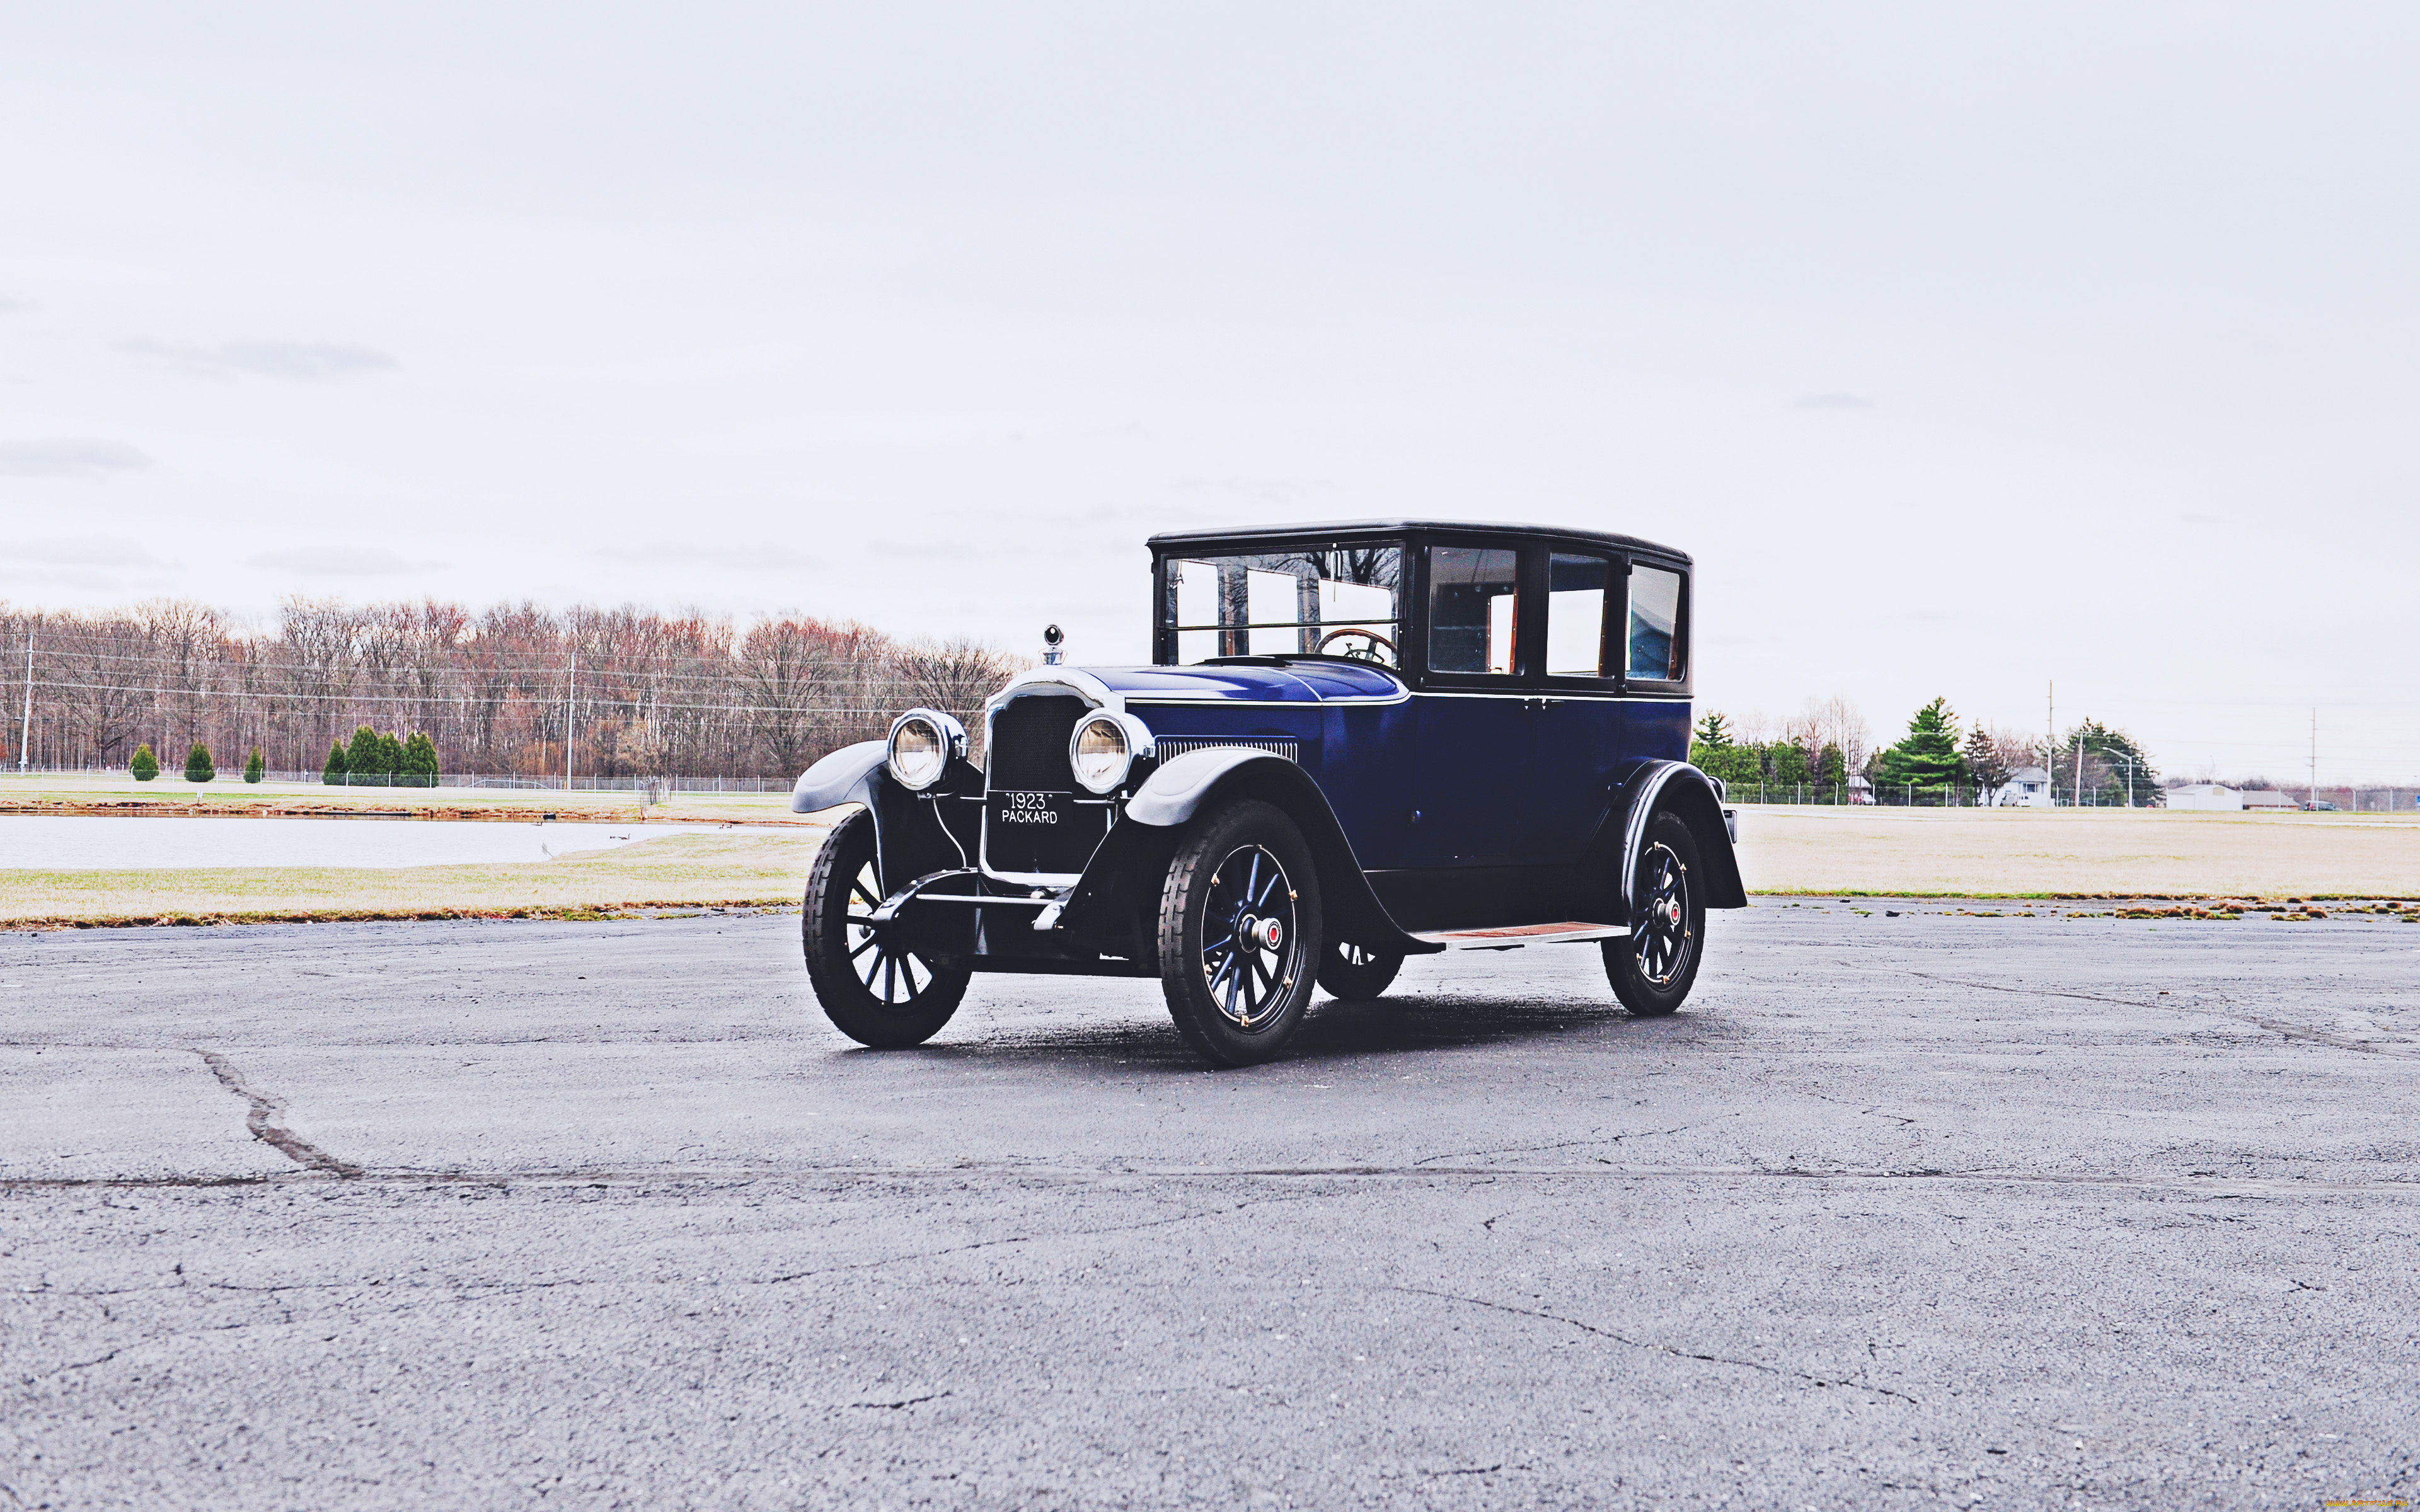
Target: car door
x,y
1578,728
1474,735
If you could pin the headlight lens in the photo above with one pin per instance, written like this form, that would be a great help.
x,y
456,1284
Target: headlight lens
x,y
1101,753
919,751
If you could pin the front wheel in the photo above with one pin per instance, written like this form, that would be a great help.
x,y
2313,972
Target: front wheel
x,y
877,993
1653,969
1239,934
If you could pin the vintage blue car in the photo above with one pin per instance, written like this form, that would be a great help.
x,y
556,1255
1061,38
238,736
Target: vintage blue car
x,y
1357,742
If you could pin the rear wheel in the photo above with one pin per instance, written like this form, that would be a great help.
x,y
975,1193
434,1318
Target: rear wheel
x,y
1653,969
1239,934
1356,973
875,992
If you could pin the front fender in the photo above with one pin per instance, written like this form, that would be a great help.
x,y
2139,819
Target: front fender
x,y
1174,793
1680,788
839,777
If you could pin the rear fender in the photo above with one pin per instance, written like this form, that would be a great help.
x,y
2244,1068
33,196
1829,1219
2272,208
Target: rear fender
x,y
1202,781
1677,788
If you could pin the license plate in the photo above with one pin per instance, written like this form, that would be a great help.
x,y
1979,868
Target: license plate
x,y
1031,810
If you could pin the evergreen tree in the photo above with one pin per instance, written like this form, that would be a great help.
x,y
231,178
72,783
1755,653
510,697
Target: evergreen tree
x,y
1928,758
390,758
1831,767
1786,763
1983,761
363,760
420,759
198,766
334,773
2111,762
144,766
1714,730
254,767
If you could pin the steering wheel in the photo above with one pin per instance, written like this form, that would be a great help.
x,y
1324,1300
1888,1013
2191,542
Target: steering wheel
x,y
1377,644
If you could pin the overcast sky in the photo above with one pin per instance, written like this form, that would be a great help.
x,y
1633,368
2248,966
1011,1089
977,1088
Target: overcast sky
x,y
1965,351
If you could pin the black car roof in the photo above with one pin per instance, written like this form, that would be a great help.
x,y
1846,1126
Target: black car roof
x,y
1320,530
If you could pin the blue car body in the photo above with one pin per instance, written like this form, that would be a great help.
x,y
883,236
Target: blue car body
x,y
1463,766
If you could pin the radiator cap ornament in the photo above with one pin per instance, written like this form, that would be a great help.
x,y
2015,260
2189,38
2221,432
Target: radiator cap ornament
x,y
1054,645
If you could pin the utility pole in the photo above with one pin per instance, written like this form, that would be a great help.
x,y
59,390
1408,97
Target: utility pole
x,y
571,713
2314,761
25,730
2050,739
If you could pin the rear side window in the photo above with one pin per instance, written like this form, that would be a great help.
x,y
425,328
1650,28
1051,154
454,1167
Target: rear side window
x,y
1473,592
1655,623
1575,599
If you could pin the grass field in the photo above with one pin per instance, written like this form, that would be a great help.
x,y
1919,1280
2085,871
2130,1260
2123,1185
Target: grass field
x,y
1987,852
732,867
170,794
1887,852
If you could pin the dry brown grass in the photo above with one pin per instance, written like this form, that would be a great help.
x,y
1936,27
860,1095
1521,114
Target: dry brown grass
x,y
735,867
1995,853
168,794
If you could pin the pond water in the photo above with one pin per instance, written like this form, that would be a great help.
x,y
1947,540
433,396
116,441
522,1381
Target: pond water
x,y
55,843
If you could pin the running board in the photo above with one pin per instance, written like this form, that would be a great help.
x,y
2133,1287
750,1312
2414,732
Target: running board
x,y
1514,936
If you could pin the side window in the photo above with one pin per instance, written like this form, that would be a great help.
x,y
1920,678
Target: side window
x,y
1575,600
1655,623
1472,593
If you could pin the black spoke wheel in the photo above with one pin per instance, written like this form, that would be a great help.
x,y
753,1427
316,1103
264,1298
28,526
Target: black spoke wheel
x,y
1654,968
875,991
1239,934
1356,973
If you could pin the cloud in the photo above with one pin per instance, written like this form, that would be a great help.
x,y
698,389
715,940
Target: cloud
x,y
9,306
67,456
299,362
339,561
945,550
2194,518
731,557
1835,401
81,551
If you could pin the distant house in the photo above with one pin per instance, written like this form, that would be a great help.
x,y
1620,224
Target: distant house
x,y
2205,795
1860,790
2027,787
2268,798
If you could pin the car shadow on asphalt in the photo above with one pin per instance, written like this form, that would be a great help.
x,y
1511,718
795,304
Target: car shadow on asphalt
x,y
1343,1032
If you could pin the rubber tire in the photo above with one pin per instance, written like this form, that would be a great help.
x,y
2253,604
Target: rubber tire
x,y
1357,981
852,1007
1183,908
1643,997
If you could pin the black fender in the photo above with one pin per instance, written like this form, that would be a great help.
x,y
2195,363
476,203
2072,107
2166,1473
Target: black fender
x,y
840,778
1678,788
911,836
1200,781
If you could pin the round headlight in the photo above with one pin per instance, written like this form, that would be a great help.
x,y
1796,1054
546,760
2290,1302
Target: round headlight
x,y
1100,751
921,743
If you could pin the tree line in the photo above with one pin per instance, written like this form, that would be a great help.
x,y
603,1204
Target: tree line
x,y
2092,763
498,691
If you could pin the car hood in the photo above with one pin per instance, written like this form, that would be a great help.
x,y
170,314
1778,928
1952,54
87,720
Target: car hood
x,y
1290,681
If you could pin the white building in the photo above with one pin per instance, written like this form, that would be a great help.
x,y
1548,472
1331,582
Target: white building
x,y
2268,798
2205,795
2027,787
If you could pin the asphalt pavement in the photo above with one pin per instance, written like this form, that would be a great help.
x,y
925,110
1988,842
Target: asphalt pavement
x,y
1923,1211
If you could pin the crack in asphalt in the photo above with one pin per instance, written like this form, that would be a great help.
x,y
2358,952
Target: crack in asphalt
x,y
506,1181
260,1108
2290,1031
912,1401
1672,1349
1013,1239
1559,1144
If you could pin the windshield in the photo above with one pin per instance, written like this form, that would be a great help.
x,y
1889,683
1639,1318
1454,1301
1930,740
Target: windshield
x,y
1332,601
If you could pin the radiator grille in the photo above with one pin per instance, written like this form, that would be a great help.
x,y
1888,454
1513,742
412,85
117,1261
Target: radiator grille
x,y
1171,748
1029,744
